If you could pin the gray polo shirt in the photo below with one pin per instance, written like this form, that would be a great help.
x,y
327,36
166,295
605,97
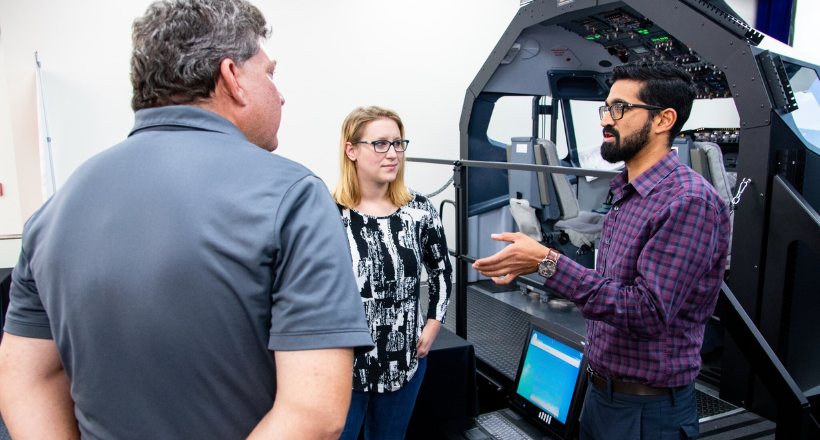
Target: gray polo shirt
x,y
168,266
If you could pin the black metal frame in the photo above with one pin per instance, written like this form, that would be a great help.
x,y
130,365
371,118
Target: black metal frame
x,y
569,132
793,220
794,417
732,47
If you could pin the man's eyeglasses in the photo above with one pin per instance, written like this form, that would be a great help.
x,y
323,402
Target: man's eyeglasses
x,y
616,111
382,146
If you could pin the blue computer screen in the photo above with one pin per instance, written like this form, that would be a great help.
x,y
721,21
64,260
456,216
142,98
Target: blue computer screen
x,y
549,375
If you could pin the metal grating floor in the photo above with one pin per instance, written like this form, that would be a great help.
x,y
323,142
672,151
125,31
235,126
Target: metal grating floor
x,y
710,406
498,332
485,315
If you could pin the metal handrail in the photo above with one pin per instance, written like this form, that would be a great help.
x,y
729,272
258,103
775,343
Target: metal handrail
x,y
11,237
572,171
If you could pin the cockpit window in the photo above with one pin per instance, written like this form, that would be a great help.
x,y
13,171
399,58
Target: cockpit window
x,y
806,87
512,117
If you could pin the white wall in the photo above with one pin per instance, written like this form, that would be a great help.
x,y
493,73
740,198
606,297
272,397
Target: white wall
x,y
746,9
416,57
805,34
10,221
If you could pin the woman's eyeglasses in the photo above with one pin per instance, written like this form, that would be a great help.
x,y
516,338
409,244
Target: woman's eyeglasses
x,y
382,146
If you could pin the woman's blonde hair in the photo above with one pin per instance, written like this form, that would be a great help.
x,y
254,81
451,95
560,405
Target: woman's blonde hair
x,y
347,192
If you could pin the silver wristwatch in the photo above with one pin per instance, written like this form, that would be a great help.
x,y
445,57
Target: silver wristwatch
x,y
547,266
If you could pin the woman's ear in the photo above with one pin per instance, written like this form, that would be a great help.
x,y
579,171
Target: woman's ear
x,y
350,151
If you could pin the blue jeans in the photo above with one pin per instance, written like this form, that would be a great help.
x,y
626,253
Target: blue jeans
x,y
385,415
610,415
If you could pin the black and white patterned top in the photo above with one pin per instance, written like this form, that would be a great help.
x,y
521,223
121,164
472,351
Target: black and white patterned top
x,y
388,254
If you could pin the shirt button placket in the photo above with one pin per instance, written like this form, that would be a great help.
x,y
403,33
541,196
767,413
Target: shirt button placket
x,y
614,222
608,240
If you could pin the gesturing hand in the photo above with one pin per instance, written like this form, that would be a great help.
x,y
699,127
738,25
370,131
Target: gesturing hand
x,y
519,258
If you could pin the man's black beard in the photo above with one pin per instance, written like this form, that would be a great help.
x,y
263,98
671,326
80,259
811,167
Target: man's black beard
x,y
613,152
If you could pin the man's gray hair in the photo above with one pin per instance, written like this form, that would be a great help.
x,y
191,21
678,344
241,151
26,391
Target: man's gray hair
x,y
180,44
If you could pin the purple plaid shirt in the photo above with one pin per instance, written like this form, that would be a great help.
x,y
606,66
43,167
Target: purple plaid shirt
x,y
660,267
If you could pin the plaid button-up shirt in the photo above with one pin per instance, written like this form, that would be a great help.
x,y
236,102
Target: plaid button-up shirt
x,y
659,270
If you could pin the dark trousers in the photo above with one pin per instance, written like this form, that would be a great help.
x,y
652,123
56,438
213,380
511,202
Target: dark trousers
x,y
609,415
385,415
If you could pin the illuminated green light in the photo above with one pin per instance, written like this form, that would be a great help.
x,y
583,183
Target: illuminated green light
x,y
597,36
643,31
660,39
590,38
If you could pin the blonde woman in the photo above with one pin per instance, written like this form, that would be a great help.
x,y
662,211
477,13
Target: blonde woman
x,y
393,233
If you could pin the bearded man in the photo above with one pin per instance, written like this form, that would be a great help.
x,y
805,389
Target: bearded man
x,y
659,269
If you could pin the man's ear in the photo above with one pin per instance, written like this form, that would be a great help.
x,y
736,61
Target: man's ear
x,y
665,120
228,82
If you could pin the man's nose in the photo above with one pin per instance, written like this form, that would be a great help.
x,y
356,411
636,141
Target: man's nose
x,y
282,98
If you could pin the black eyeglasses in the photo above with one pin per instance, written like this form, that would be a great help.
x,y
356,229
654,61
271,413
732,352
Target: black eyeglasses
x,y
383,146
616,111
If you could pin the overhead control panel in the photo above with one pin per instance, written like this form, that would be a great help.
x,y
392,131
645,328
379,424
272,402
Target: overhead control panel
x,y
627,35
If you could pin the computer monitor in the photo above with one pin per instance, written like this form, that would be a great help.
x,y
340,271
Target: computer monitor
x,y
551,379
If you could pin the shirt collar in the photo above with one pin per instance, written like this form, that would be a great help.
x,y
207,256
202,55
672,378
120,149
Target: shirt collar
x,y
183,116
646,181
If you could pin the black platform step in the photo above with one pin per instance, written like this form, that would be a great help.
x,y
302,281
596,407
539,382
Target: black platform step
x,y
743,425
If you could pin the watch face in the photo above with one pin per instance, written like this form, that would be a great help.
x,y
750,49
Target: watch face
x,y
546,268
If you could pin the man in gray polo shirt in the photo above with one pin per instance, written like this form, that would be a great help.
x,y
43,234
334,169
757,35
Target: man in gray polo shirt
x,y
186,283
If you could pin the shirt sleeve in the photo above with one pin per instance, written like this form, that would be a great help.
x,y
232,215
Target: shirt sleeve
x,y
26,315
315,300
437,263
684,246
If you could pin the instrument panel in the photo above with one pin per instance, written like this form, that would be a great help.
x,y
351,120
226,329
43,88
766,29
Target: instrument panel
x,y
630,37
